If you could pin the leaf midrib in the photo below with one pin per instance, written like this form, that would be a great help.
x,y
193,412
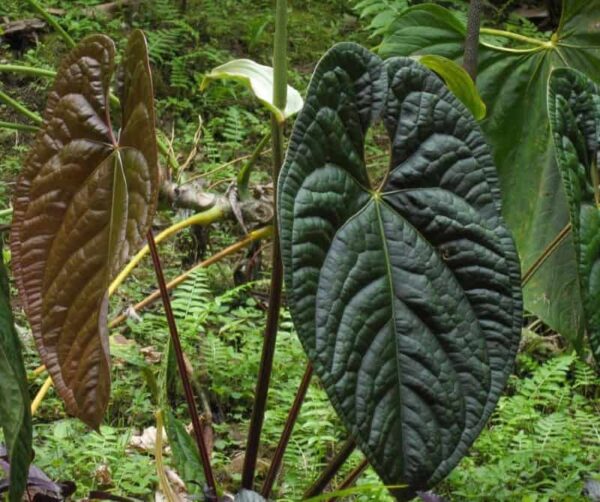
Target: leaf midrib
x,y
377,201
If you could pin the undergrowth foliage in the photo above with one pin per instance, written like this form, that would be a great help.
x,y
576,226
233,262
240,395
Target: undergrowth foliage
x,y
222,335
380,14
543,441
541,444
169,43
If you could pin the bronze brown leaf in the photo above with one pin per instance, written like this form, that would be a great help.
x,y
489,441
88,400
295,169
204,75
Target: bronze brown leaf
x,y
83,203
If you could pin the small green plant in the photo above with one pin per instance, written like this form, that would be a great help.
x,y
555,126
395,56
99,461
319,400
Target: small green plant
x,y
66,449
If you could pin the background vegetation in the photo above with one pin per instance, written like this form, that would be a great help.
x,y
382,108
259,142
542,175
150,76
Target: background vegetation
x,y
542,443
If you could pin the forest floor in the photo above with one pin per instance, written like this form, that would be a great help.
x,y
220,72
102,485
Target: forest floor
x,y
542,443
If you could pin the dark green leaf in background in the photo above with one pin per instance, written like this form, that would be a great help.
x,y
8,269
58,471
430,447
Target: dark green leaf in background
x,y
405,296
15,416
574,108
513,83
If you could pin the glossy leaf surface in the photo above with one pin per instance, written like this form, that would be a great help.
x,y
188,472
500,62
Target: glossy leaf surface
x,y
259,79
406,296
574,108
514,87
15,416
83,203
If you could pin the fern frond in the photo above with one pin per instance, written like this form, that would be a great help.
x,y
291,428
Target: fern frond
x,y
585,376
552,427
549,380
588,426
381,13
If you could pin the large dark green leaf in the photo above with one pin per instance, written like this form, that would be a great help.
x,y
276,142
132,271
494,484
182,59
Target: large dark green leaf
x,y
83,203
15,416
406,296
574,108
514,87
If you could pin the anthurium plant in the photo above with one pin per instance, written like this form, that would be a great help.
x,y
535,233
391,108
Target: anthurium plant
x,y
406,293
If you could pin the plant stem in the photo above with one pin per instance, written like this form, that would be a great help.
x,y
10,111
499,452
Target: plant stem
x,y
280,57
39,397
511,50
287,432
14,126
37,372
163,480
204,218
546,253
243,177
27,70
472,39
183,374
6,212
331,469
268,350
351,478
266,365
517,37
52,22
23,110
246,241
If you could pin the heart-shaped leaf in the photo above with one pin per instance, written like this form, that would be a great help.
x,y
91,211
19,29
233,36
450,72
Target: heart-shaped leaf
x,y
405,296
259,79
15,416
574,109
83,203
513,83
